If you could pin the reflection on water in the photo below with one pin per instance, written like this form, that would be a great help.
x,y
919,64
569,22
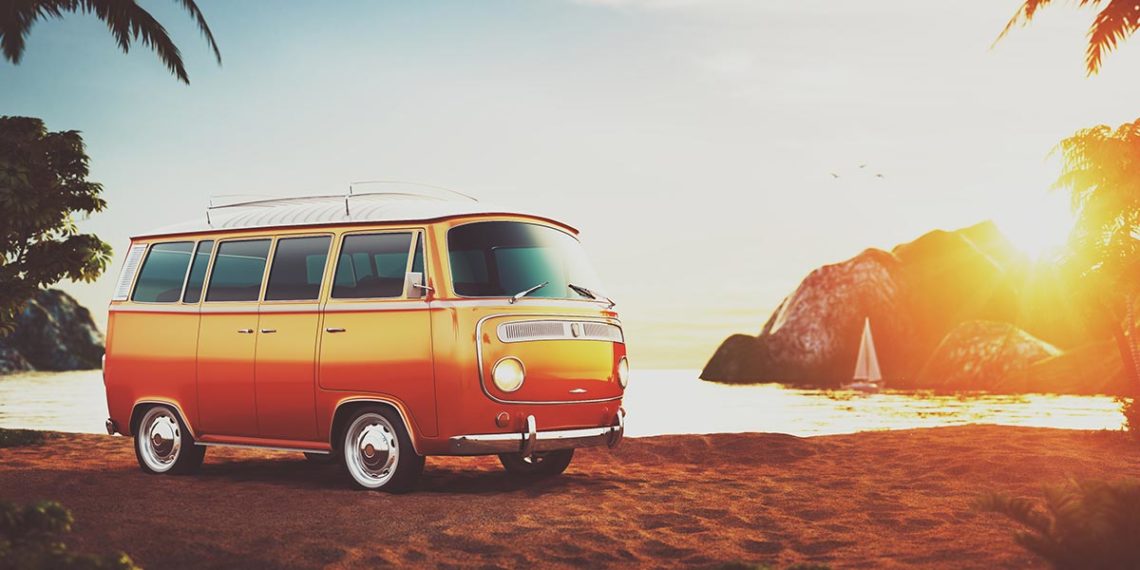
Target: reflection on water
x,y
60,401
674,401
659,402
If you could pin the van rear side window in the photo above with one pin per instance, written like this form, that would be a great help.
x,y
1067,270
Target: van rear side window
x,y
238,270
372,266
163,272
198,272
298,266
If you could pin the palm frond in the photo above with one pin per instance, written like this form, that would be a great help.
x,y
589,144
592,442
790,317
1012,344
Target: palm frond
x,y
1114,23
17,18
128,21
192,9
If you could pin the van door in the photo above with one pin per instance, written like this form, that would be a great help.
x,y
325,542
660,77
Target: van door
x,y
227,339
375,338
285,370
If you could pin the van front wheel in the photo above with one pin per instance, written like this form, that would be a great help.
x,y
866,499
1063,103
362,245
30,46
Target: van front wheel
x,y
539,466
164,445
377,452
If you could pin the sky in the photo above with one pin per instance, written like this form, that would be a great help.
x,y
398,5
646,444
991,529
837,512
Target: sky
x,y
694,143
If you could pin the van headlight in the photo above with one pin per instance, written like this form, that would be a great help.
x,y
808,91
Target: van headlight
x,y
508,374
623,372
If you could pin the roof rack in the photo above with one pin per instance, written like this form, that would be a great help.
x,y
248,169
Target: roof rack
x,y
271,201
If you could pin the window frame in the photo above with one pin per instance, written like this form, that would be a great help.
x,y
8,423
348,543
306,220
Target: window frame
x,y
321,291
403,296
205,276
213,262
446,252
142,264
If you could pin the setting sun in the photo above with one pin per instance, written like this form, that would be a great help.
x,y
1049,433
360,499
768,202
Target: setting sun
x,y
1037,226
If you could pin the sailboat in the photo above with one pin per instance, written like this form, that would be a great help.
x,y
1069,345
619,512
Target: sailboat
x,y
867,376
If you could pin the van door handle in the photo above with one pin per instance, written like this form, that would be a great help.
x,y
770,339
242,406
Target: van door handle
x,y
268,331
334,330
245,331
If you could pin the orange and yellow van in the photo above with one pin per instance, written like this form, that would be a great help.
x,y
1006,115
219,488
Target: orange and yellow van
x,y
372,330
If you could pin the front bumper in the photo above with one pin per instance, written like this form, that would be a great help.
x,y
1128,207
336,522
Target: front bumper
x,y
531,440
112,427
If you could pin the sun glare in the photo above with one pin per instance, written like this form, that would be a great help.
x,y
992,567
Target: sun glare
x,y
1039,226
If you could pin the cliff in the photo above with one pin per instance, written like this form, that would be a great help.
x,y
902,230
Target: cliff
x,y
937,305
54,332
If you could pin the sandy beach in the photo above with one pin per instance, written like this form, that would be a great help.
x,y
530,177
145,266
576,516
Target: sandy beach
x,y
881,499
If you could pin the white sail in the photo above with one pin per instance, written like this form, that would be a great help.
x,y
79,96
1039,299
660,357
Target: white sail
x,y
867,366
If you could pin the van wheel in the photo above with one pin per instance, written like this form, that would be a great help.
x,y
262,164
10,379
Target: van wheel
x,y
377,452
540,466
163,444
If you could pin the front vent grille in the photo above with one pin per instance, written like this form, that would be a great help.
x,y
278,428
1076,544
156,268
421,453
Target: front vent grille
x,y
522,331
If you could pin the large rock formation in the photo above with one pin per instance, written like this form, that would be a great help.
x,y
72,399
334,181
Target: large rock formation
x,y
983,355
813,336
54,332
915,295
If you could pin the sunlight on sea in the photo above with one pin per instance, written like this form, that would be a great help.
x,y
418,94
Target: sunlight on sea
x,y
660,402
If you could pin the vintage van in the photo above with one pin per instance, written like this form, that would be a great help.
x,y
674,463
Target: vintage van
x,y
373,330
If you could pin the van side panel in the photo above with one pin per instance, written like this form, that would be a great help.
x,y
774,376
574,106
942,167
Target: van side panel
x,y
151,356
380,349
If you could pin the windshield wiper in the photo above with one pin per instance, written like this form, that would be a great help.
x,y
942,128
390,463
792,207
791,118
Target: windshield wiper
x,y
591,294
524,293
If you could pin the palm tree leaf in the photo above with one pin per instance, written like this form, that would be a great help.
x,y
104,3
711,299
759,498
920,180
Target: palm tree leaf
x,y
203,27
1023,16
17,18
1115,22
128,21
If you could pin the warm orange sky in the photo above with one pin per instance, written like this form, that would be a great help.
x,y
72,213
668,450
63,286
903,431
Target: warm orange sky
x,y
692,141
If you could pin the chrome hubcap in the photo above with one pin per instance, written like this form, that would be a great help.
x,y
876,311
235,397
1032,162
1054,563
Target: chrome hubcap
x,y
160,439
376,451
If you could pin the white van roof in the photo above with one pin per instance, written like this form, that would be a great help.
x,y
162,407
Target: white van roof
x,y
376,207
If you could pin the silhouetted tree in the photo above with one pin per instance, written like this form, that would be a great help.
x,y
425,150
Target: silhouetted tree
x,y
1116,20
1101,171
126,20
43,182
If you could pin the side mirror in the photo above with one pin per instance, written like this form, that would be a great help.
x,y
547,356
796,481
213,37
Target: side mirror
x,y
414,287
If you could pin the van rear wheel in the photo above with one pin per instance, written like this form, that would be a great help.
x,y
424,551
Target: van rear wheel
x,y
539,466
377,452
163,444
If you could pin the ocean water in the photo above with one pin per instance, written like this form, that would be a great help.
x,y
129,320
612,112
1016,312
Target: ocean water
x,y
660,402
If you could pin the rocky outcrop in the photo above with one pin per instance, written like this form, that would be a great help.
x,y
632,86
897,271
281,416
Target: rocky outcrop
x,y
914,295
983,355
813,336
54,332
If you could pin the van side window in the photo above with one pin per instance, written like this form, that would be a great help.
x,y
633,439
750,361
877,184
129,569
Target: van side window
x,y
163,273
298,266
238,269
198,272
418,257
372,266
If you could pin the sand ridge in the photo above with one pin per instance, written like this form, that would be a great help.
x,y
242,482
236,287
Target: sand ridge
x,y
881,499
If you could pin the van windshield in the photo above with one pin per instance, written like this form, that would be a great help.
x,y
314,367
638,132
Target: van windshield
x,y
501,259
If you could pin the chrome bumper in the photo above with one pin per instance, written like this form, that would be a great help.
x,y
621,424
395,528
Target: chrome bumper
x,y
531,440
111,426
